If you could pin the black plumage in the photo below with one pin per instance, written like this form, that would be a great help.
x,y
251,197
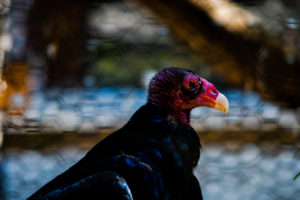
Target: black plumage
x,y
151,157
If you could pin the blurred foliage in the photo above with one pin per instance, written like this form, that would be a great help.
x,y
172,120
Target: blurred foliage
x,y
114,63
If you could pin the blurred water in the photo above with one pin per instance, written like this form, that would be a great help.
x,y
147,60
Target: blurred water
x,y
233,170
247,174
56,111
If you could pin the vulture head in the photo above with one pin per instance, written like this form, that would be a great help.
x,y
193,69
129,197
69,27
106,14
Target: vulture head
x,y
180,90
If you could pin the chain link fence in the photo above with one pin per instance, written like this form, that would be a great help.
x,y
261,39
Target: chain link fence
x,y
250,153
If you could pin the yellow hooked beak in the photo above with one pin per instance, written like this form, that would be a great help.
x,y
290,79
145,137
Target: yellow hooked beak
x,y
222,103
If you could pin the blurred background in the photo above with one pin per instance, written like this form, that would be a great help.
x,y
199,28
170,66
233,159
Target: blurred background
x,y
71,72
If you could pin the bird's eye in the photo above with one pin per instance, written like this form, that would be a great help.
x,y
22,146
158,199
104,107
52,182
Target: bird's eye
x,y
192,84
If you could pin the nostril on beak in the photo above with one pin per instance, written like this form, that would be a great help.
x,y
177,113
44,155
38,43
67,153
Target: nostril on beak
x,y
213,90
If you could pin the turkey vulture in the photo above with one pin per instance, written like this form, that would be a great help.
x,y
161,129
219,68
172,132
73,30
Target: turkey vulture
x,y
153,155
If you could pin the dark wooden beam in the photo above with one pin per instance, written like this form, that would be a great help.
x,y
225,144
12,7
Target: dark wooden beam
x,y
248,57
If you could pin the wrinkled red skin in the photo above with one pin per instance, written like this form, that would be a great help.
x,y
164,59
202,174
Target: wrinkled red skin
x,y
207,97
173,92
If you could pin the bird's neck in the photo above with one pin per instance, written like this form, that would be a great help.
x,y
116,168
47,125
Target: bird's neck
x,y
182,115
173,111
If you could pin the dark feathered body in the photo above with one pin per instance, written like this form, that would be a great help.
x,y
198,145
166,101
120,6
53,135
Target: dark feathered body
x,y
151,157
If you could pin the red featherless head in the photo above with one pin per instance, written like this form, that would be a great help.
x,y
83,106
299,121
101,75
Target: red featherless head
x,y
180,90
